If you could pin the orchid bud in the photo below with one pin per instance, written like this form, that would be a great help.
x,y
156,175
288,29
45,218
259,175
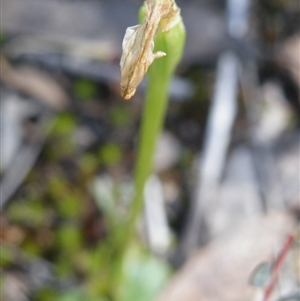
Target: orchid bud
x,y
161,33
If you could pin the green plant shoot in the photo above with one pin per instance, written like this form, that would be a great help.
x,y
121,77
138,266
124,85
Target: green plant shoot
x,y
168,43
159,76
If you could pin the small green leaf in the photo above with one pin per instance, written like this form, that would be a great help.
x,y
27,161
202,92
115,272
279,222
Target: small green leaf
x,y
70,207
64,125
32,213
144,276
31,248
69,238
261,275
120,116
88,163
46,294
85,89
76,294
6,256
110,154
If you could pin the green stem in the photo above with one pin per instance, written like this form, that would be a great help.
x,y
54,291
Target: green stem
x,y
152,122
159,76
153,118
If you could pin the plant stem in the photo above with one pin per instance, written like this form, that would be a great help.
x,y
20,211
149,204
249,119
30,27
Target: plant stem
x,y
154,113
159,74
152,122
277,266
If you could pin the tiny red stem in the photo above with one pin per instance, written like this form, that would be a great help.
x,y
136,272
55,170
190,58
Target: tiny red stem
x,y
277,266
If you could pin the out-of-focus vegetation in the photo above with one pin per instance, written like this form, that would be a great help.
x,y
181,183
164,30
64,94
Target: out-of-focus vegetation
x,y
55,216
70,213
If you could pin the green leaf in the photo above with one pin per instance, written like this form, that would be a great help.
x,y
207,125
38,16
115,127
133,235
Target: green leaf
x,y
46,294
64,125
70,207
6,256
73,295
143,276
88,163
85,89
69,238
110,154
261,275
32,213
120,116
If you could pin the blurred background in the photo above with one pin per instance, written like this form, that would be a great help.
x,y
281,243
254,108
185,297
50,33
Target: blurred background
x,y
224,196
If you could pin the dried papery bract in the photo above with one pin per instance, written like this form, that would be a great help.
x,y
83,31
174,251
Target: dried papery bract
x,y
138,43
